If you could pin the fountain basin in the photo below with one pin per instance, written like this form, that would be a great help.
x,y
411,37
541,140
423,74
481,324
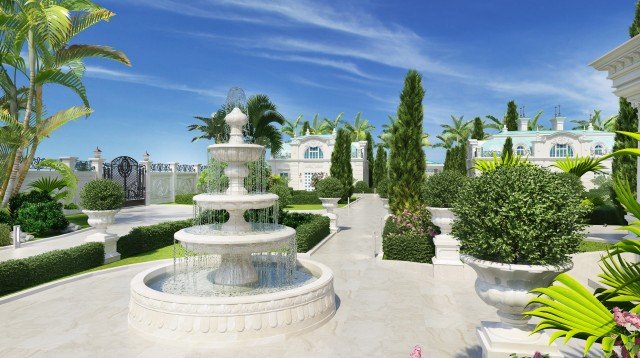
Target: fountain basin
x,y
235,202
223,321
197,239
236,153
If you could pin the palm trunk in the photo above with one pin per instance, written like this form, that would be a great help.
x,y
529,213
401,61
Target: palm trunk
x,y
24,168
27,115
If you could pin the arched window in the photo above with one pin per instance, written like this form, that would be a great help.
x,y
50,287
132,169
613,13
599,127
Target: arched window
x,y
561,151
521,151
313,153
598,149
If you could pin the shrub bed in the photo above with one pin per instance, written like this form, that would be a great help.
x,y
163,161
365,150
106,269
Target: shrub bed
x,y
362,187
41,218
310,229
409,237
5,235
305,197
148,238
609,215
19,274
184,199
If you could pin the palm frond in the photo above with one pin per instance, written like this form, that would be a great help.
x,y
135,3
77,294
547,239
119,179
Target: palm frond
x,y
488,165
580,165
69,179
49,125
76,53
67,79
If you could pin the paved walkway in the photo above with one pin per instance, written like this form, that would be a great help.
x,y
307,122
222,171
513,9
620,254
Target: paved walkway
x,y
126,219
385,308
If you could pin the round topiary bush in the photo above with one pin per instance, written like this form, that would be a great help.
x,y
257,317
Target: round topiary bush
x,y
520,215
5,235
330,187
442,189
34,196
284,194
361,187
383,188
102,194
41,218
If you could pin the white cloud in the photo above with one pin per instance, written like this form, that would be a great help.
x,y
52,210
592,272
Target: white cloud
x,y
349,67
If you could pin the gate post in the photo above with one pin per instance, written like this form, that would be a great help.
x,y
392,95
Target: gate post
x,y
96,162
146,162
174,179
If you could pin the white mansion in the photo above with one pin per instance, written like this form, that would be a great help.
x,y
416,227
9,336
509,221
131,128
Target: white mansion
x,y
544,147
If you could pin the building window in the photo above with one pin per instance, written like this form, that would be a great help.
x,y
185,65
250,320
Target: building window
x,y
598,149
313,153
284,175
307,182
561,151
521,151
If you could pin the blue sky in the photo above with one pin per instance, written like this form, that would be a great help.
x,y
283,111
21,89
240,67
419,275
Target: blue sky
x,y
331,56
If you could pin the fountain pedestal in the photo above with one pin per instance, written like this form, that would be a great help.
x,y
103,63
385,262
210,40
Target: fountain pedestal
x,y
236,270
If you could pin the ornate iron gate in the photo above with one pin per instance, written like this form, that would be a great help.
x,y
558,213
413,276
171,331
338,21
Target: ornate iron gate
x,y
127,172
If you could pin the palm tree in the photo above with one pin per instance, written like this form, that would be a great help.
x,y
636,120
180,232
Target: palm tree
x,y
318,126
335,123
290,128
446,141
459,131
533,122
495,123
385,136
45,28
213,128
358,131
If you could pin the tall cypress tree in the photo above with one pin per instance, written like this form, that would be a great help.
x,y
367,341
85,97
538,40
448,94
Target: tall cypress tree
x,y
634,29
624,167
380,167
341,159
407,163
306,127
507,149
370,158
511,118
478,129
456,159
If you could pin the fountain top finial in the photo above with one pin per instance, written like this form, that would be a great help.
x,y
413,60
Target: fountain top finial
x,y
236,120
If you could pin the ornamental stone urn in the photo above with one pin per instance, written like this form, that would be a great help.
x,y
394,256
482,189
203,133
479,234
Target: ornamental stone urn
x,y
447,246
100,220
329,204
506,287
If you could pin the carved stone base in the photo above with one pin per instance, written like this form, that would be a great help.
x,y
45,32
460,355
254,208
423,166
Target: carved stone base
x,y
110,245
500,341
224,321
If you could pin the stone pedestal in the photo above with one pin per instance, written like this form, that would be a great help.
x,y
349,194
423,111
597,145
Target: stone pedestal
x,y
447,259
330,204
499,340
110,245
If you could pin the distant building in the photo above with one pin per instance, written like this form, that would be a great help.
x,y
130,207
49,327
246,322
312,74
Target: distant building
x,y
310,154
544,147
433,167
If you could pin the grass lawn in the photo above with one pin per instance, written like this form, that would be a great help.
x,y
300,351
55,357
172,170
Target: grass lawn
x,y
159,254
308,206
589,246
78,219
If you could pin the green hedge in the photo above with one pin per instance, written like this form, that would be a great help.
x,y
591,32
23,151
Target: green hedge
x,y
406,246
312,232
304,197
148,238
184,199
16,275
606,215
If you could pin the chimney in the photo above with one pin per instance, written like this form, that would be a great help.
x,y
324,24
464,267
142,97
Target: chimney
x,y
524,124
558,123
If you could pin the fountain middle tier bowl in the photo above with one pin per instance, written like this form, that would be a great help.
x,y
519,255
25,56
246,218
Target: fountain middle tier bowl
x,y
223,321
235,202
236,153
212,239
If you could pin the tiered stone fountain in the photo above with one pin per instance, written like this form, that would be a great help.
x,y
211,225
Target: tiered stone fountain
x,y
240,281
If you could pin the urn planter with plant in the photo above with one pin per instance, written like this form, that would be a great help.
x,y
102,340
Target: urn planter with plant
x,y
517,226
439,192
101,200
330,190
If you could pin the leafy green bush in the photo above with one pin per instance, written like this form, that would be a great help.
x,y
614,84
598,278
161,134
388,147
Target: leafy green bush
x,y
284,194
330,187
71,206
408,236
440,190
361,187
520,215
606,214
383,188
299,197
41,218
5,217
309,234
19,274
148,238
293,220
5,235
102,194
34,196
184,199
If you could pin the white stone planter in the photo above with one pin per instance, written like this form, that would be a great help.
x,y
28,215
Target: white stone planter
x,y
447,246
506,287
100,220
330,204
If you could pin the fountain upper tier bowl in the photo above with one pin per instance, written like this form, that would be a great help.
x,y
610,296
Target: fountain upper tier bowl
x,y
235,202
212,239
236,153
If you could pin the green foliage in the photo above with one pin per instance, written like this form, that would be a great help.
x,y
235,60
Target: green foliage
x,y
258,178
380,166
310,233
634,29
52,186
456,159
213,179
148,238
407,163
488,165
284,195
184,199
441,189
361,187
306,128
330,187
67,176
34,196
624,166
102,194
511,118
520,215
341,160
5,217
370,158
478,129
41,218
19,274
507,149
409,237
579,166
301,197
5,235
383,188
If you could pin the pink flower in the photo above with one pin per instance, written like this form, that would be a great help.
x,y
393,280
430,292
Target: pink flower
x,y
624,318
416,353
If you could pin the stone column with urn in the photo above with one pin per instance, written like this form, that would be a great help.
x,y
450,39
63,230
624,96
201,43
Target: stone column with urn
x,y
146,162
